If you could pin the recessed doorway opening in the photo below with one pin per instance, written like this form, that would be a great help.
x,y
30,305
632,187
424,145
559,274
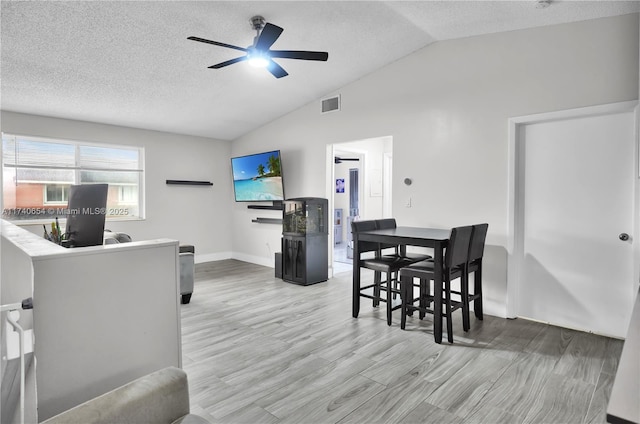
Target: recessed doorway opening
x,y
359,187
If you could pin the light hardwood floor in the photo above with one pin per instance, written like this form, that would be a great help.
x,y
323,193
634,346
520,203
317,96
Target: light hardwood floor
x,y
259,350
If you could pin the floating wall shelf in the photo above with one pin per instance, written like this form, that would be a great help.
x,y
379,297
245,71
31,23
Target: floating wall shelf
x,y
188,182
267,220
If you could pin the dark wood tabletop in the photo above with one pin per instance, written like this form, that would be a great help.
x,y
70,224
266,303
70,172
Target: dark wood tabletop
x,y
409,236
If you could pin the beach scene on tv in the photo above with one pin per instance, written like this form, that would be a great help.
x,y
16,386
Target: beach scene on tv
x,y
257,177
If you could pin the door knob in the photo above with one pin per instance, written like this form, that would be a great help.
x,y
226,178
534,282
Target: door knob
x,y
623,236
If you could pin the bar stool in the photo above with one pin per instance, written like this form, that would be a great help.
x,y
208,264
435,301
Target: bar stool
x,y
399,251
474,264
389,265
454,266
476,252
389,223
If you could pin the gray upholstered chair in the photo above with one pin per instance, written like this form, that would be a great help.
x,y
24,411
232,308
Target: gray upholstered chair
x,y
161,397
111,237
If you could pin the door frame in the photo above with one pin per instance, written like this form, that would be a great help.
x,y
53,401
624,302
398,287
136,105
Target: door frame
x,y
516,195
387,183
331,152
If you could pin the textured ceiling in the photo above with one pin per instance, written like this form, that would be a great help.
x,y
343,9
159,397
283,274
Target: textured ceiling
x,y
129,63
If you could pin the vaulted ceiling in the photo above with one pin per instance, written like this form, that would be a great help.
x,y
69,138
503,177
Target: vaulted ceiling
x,y
129,63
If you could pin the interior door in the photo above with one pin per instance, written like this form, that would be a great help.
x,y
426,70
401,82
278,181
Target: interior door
x,y
577,179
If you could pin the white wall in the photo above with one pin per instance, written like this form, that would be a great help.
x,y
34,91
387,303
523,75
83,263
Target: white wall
x,y
446,107
636,271
371,153
192,215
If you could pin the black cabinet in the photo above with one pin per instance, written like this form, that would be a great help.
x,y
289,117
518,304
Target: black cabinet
x,y
305,240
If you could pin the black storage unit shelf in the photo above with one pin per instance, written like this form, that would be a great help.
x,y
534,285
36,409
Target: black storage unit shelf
x,y
305,240
276,206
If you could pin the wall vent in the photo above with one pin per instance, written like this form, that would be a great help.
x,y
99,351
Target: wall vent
x,y
331,104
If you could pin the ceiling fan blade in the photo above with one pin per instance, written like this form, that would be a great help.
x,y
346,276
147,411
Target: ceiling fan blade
x,y
268,36
228,62
276,70
299,54
230,46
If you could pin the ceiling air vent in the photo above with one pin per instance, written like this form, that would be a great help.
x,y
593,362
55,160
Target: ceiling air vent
x,y
331,104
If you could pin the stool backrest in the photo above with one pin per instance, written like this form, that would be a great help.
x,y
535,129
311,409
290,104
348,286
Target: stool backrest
x,y
359,226
478,237
458,251
387,224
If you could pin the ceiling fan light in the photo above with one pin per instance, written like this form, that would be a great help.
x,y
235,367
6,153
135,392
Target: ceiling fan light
x,y
258,62
258,59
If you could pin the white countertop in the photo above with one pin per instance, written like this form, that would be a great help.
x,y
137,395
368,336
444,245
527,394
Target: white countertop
x,y
39,248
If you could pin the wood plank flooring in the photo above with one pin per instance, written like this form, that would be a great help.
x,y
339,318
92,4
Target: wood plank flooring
x,y
259,350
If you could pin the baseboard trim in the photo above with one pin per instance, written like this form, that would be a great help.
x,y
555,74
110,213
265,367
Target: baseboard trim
x,y
258,260
212,257
494,308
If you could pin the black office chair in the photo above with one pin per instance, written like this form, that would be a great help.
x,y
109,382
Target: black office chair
x,y
454,266
379,263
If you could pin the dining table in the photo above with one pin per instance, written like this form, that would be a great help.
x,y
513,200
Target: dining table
x,y
435,238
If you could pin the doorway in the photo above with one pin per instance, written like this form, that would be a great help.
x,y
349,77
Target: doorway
x,y
346,204
358,188
574,182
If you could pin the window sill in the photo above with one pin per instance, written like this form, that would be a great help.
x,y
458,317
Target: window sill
x,y
45,221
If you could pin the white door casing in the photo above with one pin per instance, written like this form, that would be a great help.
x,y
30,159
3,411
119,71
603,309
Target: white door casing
x,y
573,182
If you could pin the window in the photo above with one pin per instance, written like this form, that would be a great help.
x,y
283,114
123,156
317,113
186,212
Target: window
x,y
56,194
37,174
127,194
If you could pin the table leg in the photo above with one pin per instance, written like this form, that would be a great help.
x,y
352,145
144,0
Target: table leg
x,y
423,297
355,310
437,293
406,294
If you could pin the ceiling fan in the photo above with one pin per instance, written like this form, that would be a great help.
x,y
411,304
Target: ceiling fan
x,y
259,54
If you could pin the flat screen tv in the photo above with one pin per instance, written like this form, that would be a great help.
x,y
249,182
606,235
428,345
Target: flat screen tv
x,y
87,213
258,177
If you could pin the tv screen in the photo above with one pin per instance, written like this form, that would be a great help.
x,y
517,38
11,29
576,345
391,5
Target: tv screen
x,y
258,177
